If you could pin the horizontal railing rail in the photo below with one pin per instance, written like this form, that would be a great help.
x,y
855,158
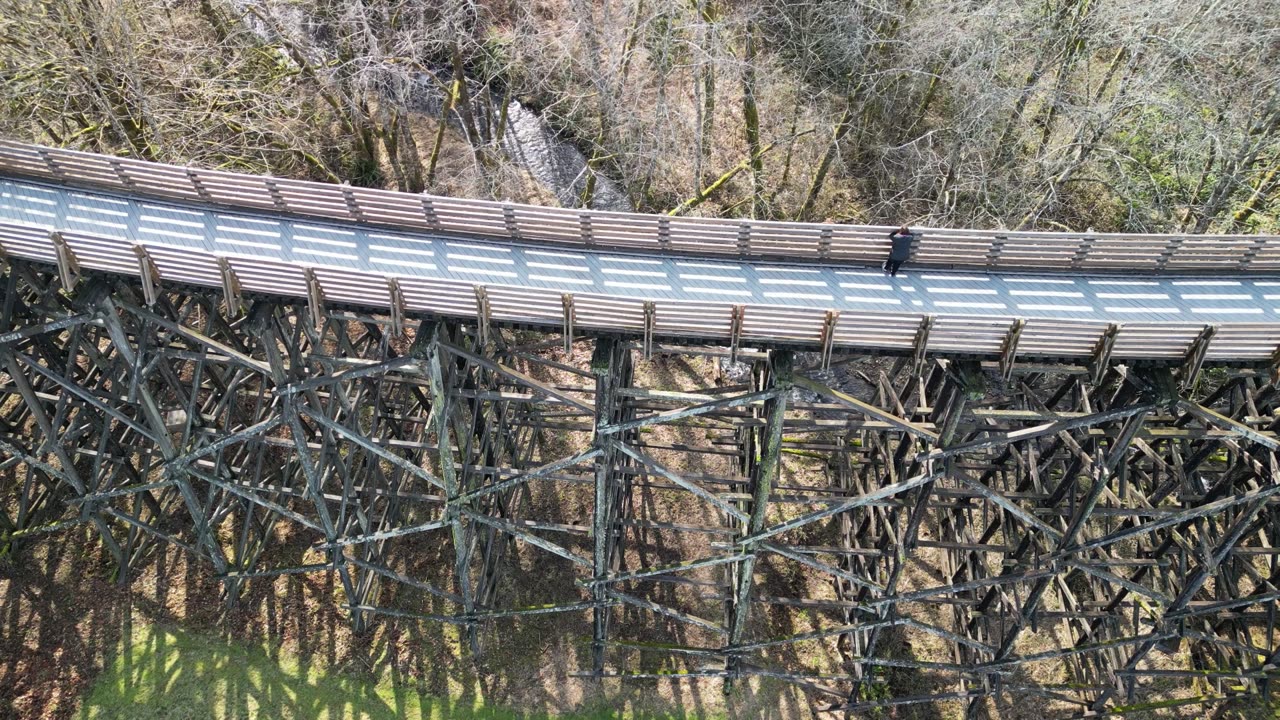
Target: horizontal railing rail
x,y
715,237
718,322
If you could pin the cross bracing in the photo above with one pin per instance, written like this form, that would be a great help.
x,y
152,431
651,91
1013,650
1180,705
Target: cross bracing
x,y
1057,535
1084,534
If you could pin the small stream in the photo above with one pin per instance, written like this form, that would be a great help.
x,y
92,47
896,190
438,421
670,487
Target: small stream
x,y
528,142
532,145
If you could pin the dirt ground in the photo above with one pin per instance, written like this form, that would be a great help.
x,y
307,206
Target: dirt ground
x,y
63,616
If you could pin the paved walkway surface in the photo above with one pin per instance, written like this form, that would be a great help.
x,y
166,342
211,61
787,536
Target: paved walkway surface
x,y
848,289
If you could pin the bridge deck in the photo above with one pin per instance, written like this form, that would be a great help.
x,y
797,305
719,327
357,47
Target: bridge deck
x,y
694,297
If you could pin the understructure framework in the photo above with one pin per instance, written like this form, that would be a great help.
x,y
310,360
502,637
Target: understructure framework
x,y
1083,536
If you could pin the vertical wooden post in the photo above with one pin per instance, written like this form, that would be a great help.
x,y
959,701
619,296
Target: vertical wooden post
x,y
68,265
149,273
395,297
764,476
650,322
566,300
1009,349
231,297
315,298
606,366
829,336
483,320
440,414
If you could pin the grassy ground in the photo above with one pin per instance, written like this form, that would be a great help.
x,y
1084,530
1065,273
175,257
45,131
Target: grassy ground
x,y
75,645
172,674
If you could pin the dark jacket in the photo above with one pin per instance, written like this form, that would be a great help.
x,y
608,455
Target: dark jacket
x,y
901,245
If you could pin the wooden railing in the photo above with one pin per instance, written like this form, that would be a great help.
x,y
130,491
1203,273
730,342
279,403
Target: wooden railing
x,y
744,239
902,332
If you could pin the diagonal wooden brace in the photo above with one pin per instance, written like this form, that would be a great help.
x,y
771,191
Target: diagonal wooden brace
x,y
1194,359
921,344
1102,353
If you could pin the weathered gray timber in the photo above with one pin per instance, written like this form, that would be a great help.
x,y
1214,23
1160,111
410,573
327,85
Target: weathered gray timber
x,y
1041,296
957,527
207,359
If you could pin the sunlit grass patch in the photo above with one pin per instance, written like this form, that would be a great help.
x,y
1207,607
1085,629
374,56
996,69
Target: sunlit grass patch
x,y
173,674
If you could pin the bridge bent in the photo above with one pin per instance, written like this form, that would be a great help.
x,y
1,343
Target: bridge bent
x,y
1056,294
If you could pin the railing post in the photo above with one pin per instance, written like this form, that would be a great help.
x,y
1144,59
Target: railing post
x,y
277,199
398,307
125,180
1083,249
584,229
482,316
1194,359
54,170
566,300
150,274
201,191
230,288
353,208
829,336
1102,353
650,323
1171,247
993,253
824,243
1009,349
744,239
920,344
68,265
315,297
736,316
664,233
509,219
429,211
1255,246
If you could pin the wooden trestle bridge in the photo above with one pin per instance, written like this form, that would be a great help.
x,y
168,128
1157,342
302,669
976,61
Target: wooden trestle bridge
x,y
1039,469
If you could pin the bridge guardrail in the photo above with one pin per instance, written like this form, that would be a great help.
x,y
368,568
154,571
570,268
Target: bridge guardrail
x,y
707,321
716,237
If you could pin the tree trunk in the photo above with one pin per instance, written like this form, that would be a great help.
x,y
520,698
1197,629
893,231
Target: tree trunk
x,y
599,152
751,117
820,174
462,102
410,159
1231,178
1085,142
707,108
711,189
1262,190
441,125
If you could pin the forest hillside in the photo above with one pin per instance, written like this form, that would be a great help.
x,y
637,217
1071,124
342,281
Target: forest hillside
x,y
1138,115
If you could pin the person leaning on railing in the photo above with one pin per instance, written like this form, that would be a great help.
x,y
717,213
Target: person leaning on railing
x,y
900,250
